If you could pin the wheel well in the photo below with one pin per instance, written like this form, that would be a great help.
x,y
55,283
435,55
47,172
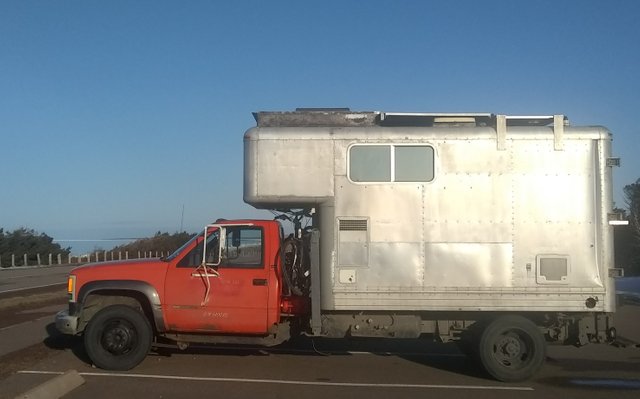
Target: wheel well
x,y
100,299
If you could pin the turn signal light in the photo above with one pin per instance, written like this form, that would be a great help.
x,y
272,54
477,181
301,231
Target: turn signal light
x,y
71,286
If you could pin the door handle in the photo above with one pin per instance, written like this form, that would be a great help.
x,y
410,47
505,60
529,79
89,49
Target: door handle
x,y
259,281
201,275
210,273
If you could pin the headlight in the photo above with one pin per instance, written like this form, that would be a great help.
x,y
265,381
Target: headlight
x,y
71,288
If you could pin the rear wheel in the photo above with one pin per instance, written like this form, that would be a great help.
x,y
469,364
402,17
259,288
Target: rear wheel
x,y
511,348
118,337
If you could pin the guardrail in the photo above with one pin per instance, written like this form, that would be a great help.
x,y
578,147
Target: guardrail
x,y
60,259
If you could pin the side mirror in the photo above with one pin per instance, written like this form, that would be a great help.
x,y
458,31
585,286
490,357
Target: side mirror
x,y
213,243
222,243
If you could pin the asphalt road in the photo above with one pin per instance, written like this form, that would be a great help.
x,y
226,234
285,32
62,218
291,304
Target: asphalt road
x,y
324,368
31,351
23,278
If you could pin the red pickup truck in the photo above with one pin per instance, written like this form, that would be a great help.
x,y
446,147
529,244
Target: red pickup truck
x,y
225,285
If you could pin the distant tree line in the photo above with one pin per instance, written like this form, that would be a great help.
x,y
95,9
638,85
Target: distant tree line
x,y
26,241
627,238
160,242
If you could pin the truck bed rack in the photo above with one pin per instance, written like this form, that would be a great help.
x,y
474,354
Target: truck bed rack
x,y
344,117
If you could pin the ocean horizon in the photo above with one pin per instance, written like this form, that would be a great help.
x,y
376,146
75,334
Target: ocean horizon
x,y
82,247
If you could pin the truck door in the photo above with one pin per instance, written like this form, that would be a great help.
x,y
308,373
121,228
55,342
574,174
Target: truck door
x,y
231,297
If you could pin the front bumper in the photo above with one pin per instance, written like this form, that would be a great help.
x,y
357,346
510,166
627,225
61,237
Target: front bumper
x,y
65,323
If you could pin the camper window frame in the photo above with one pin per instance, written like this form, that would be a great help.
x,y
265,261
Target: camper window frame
x,y
393,179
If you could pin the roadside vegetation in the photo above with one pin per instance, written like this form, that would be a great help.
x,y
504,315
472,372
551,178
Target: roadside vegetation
x,y
627,238
24,241
27,241
160,242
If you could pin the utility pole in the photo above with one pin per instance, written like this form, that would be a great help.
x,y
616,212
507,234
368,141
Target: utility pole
x,y
182,219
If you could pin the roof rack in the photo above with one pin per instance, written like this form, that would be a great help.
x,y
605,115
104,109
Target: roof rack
x,y
317,117
344,117
434,119
538,120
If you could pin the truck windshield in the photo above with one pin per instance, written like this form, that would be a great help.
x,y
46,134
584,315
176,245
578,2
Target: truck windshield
x,y
179,250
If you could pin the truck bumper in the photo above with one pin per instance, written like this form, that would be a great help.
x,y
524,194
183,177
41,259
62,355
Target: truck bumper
x,y
65,323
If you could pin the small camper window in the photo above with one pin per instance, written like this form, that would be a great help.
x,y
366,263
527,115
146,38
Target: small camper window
x,y
391,163
369,163
413,163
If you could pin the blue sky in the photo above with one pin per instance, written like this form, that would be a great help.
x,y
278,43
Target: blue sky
x,y
113,114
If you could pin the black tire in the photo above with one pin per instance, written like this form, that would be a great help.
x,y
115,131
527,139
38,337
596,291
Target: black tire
x,y
118,337
469,341
511,349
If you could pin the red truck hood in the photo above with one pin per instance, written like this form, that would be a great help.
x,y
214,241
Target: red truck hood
x,y
139,269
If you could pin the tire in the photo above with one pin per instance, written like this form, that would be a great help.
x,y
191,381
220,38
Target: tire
x,y
469,341
511,349
118,337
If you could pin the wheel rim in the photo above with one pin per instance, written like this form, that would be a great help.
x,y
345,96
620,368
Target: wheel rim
x,y
513,349
118,337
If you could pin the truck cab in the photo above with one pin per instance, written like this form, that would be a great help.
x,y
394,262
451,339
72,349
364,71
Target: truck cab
x,y
224,281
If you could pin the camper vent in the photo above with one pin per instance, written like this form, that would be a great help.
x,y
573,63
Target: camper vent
x,y
553,269
353,225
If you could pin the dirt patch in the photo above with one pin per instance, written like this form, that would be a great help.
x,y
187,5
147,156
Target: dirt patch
x,y
23,305
26,358
23,359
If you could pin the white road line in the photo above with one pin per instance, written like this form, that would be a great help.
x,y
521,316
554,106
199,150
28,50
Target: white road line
x,y
291,382
322,351
26,275
31,288
427,354
57,273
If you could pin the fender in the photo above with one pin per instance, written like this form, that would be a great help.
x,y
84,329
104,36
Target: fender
x,y
142,287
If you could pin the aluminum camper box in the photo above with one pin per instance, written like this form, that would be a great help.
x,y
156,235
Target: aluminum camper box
x,y
444,212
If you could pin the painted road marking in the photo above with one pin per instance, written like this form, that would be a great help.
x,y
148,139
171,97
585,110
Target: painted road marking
x,y
26,275
321,351
399,353
31,288
291,382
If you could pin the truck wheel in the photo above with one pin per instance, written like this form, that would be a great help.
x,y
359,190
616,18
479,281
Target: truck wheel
x,y
511,348
118,337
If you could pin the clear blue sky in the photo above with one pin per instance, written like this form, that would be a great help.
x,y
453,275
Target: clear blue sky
x,y
113,114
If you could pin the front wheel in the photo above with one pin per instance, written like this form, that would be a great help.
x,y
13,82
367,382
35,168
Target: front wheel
x,y
511,348
118,337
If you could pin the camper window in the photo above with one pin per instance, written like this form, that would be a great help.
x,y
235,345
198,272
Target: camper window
x,y
370,163
391,163
413,163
